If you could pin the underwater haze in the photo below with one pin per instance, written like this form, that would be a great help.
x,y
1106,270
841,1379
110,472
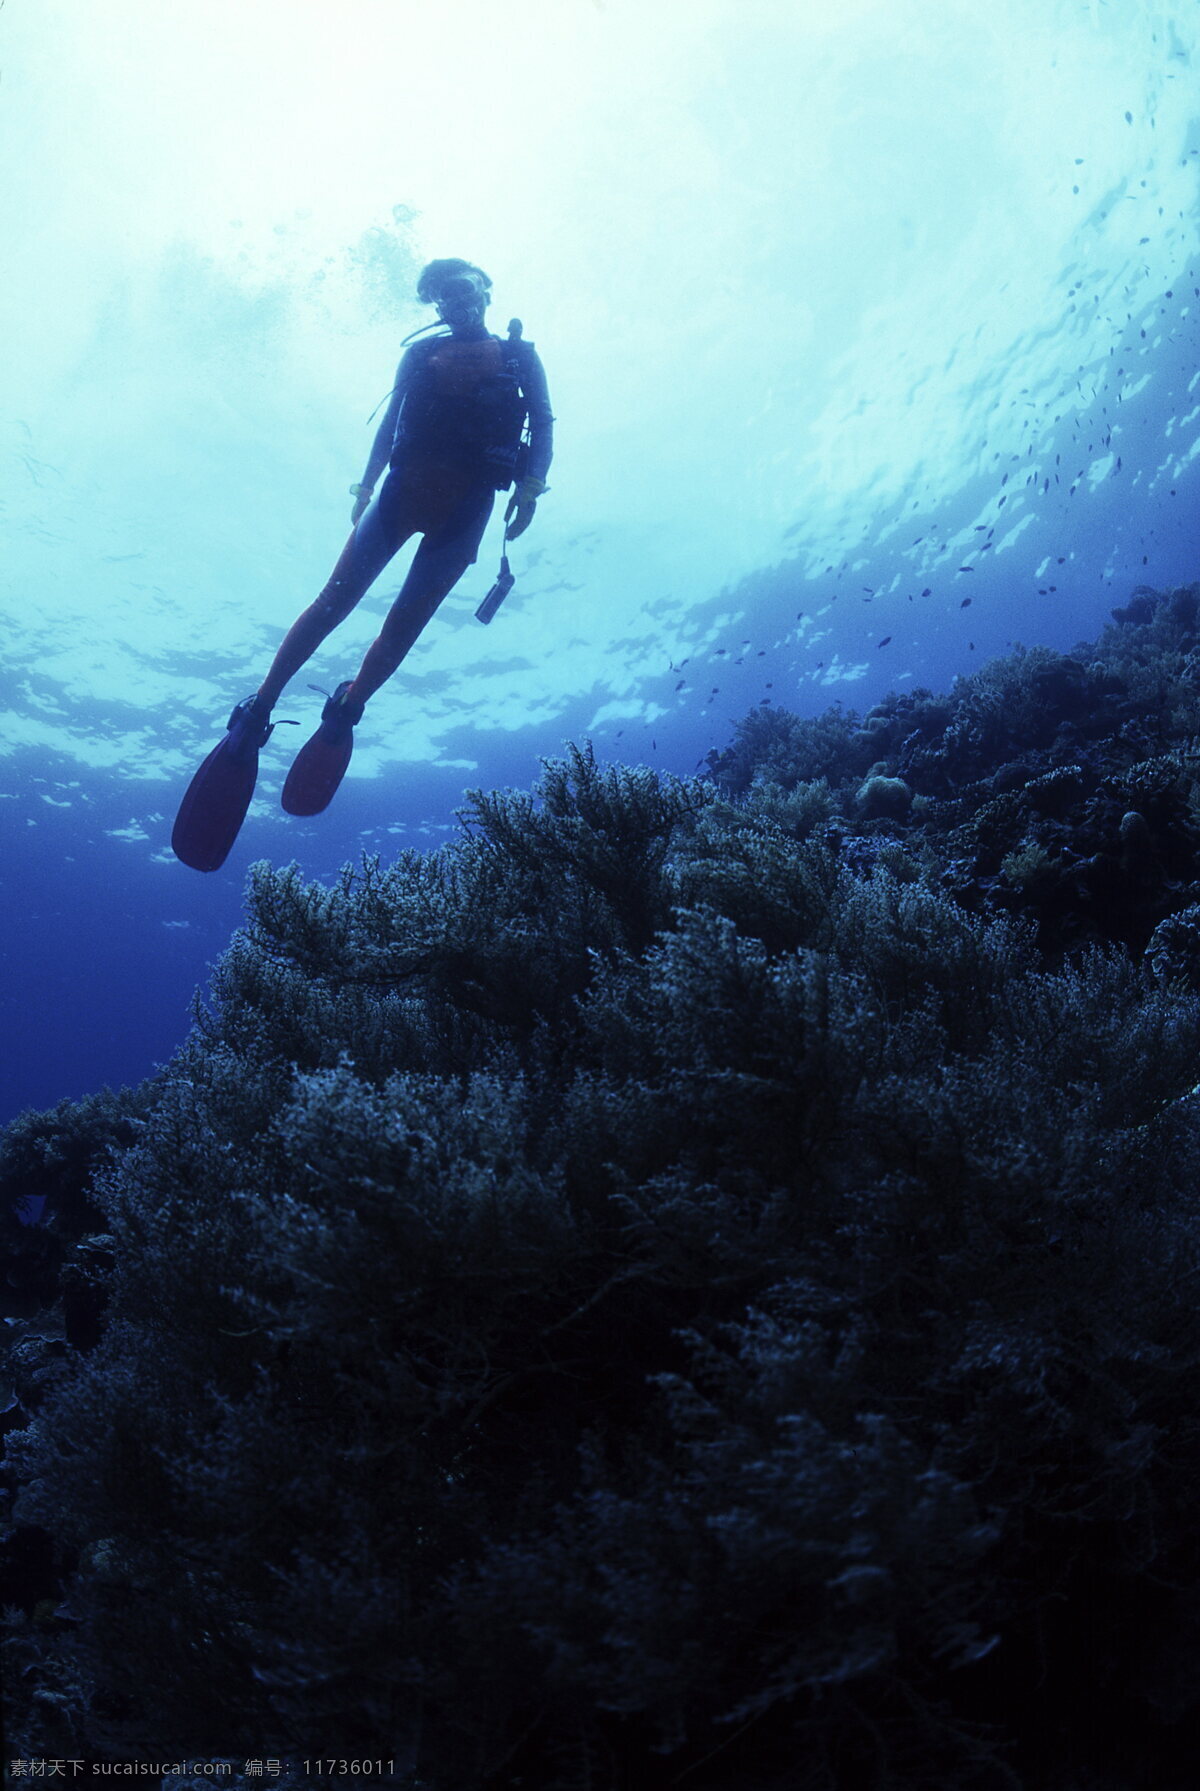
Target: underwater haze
x,y
871,333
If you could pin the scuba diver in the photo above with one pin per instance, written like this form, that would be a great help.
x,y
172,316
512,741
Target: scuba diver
x,y
469,415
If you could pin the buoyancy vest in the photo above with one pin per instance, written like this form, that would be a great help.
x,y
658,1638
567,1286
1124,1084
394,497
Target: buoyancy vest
x,y
464,401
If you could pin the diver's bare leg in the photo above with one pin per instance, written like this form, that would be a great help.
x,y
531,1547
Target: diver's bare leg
x,y
433,575
363,558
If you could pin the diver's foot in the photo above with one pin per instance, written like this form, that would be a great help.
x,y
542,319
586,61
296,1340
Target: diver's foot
x,y
320,765
339,717
249,729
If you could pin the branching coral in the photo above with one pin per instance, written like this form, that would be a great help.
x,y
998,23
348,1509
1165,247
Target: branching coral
x,y
655,1291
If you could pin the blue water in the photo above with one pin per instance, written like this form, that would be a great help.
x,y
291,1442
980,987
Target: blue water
x,y
913,363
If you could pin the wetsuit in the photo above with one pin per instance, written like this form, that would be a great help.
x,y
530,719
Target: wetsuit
x,y
449,438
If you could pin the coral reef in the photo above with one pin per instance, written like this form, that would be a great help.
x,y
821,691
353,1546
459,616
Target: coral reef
x,y
1064,787
692,1283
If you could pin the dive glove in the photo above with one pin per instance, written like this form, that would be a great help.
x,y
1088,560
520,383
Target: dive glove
x,y
522,504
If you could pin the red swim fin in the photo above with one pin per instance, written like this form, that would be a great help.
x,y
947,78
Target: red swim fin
x,y
316,772
215,802
320,765
213,809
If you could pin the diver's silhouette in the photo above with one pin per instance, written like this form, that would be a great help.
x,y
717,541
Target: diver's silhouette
x,y
469,415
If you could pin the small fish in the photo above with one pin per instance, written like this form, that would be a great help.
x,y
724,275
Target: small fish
x,y
885,640
926,592
681,684
966,568
965,604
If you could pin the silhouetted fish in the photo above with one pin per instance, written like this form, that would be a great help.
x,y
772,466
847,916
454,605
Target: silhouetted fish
x,y
885,640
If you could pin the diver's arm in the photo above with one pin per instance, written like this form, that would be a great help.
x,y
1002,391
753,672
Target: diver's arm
x,y
541,417
532,483
381,447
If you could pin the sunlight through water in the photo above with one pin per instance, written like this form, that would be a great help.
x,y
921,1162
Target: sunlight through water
x,y
870,331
